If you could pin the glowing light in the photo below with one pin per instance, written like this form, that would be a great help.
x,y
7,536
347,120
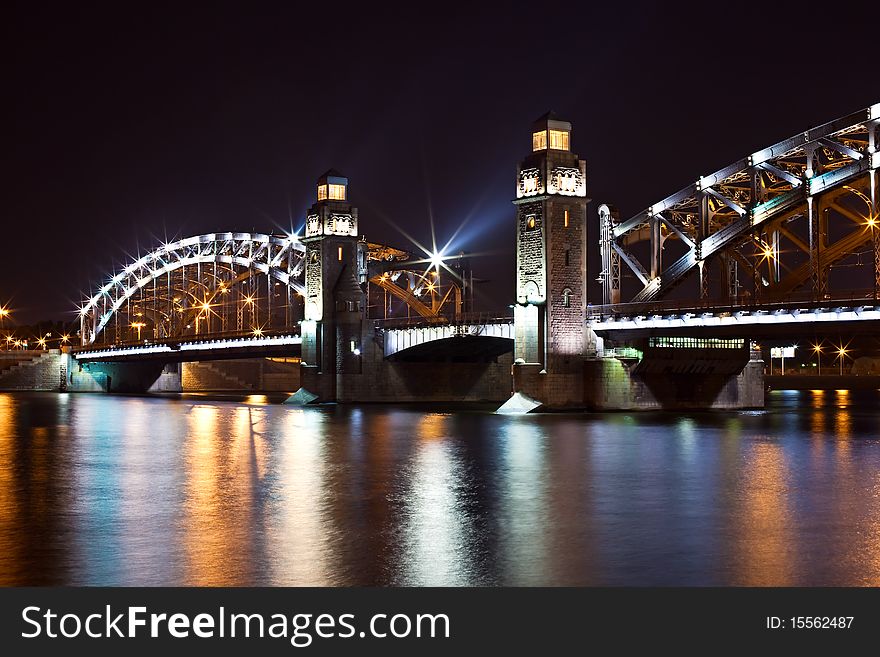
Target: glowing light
x,y
539,140
206,306
249,299
137,326
65,338
559,140
258,332
436,260
817,348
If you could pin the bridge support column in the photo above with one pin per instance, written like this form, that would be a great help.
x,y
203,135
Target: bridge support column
x,y
671,378
549,317
332,340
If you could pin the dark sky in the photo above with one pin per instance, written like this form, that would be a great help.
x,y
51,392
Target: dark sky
x,y
127,125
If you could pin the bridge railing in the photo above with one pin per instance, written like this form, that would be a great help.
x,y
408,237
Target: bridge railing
x,y
791,301
190,339
478,318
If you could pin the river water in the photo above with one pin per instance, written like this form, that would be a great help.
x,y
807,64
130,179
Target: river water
x,y
115,490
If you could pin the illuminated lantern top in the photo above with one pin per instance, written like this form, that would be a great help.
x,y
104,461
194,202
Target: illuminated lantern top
x,y
332,186
550,132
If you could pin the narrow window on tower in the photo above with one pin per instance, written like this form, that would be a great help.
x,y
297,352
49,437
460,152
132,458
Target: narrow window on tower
x,y
566,296
566,217
322,192
558,140
340,254
539,140
530,222
567,258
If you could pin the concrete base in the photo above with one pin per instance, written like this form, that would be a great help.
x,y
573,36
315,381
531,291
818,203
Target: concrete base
x,y
554,391
301,397
518,404
388,381
610,384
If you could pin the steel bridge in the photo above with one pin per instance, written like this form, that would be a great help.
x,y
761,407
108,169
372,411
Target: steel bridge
x,y
779,222
242,292
765,240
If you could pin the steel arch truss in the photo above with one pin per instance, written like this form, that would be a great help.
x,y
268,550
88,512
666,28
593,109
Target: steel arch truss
x,y
219,282
765,225
431,292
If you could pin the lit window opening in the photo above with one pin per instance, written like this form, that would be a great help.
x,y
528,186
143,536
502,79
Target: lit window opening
x,y
566,217
339,252
558,140
539,140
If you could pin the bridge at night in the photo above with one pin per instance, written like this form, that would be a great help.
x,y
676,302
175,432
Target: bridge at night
x,y
780,243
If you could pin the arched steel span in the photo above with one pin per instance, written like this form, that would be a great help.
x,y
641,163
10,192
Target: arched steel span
x,y
784,215
196,285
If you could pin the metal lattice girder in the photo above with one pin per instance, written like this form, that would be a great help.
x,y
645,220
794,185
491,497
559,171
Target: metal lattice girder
x,y
718,211
164,272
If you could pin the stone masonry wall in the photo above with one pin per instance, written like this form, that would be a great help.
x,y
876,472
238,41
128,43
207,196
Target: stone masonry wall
x,y
45,370
385,381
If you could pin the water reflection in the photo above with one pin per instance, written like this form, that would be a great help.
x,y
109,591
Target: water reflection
x,y
100,489
762,550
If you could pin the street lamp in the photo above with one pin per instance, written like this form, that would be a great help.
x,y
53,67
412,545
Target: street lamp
x,y
137,326
841,352
817,348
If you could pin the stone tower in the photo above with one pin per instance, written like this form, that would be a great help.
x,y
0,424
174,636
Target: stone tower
x,y
551,269
334,300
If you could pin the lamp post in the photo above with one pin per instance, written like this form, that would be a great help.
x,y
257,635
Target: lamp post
x,y
872,223
841,353
4,313
818,349
137,326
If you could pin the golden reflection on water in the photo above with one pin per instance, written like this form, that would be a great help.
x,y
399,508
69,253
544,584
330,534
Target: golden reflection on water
x,y
10,546
301,534
763,546
220,518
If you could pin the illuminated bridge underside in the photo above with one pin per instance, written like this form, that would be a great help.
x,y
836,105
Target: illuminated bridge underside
x,y
763,226
457,341
282,345
781,322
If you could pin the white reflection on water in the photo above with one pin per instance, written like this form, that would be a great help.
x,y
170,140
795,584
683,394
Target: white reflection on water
x,y
523,504
300,532
435,525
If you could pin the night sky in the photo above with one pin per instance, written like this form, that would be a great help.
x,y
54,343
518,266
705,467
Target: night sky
x,y
128,125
